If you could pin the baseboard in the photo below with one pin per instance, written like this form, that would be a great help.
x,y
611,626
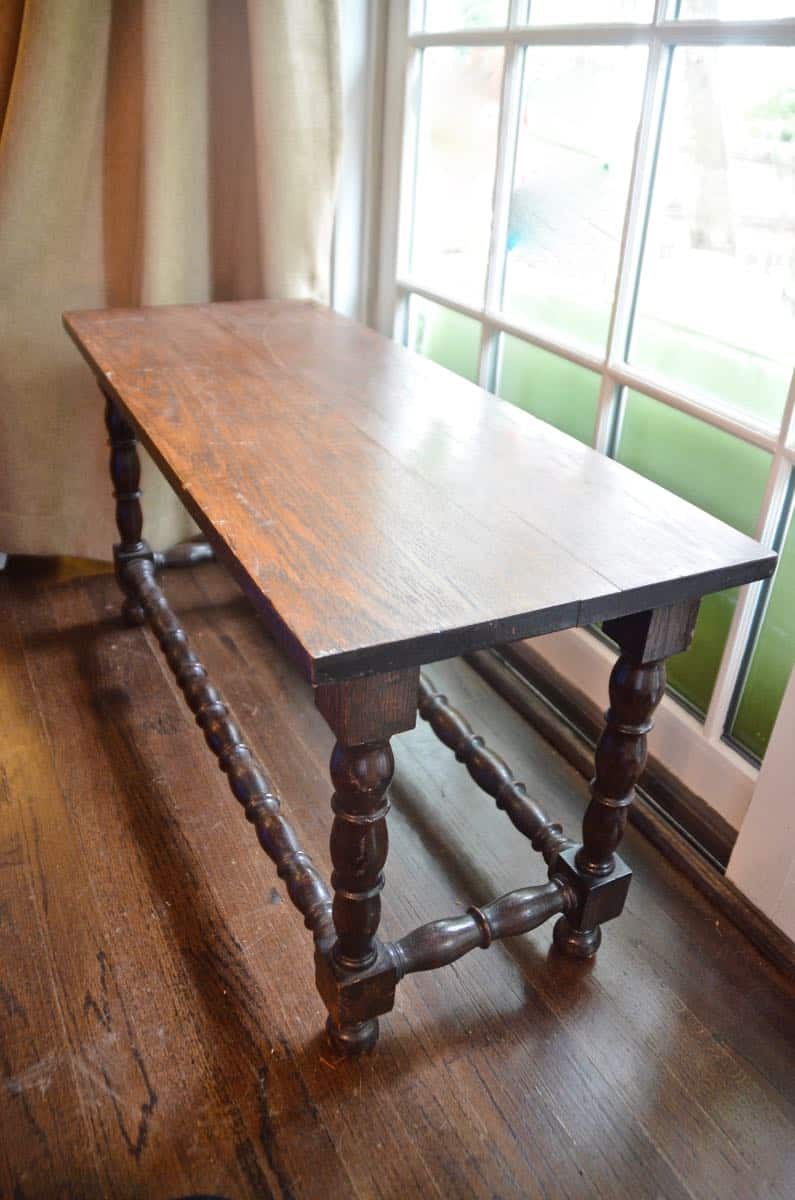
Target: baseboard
x,y
696,840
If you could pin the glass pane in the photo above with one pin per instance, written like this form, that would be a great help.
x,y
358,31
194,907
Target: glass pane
x,y
773,658
550,387
445,336
579,113
563,12
455,168
464,14
736,10
720,474
717,288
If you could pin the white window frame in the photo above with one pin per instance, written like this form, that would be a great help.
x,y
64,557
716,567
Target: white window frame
x,y
695,751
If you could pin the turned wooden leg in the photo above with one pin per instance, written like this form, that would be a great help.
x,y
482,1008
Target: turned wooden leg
x,y
637,685
359,841
355,976
125,471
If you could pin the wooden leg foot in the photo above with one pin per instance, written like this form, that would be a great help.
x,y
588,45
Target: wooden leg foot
x,y
359,1038
576,943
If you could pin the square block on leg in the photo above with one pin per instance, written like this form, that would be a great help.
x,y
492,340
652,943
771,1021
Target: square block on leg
x,y
355,996
600,899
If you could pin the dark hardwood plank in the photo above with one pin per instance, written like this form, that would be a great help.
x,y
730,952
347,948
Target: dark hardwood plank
x,y
93,887
666,1068
380,511
42,1078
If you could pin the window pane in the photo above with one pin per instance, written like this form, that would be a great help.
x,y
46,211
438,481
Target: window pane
x,y
720,474
580,108
562,12
445,336
455,168
773,658
464,14
717,288
550,387
736,10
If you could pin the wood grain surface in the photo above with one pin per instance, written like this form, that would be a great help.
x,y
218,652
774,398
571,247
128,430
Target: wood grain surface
x,y
380,511
159,1024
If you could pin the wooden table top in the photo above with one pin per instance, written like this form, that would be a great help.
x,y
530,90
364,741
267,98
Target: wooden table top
x,y
380,511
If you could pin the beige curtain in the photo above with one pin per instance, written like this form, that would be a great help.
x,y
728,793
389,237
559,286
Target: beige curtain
x,y
151,152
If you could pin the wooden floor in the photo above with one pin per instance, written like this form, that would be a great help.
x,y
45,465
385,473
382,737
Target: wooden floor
x,y
159,1027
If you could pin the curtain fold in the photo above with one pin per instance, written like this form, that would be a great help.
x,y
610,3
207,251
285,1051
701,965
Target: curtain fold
x,y
151,152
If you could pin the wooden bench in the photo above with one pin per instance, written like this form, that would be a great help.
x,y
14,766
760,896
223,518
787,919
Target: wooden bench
x,y
382,513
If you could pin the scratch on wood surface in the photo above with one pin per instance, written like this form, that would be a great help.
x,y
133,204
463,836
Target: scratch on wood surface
x,y
86,1062
35,1078
268,347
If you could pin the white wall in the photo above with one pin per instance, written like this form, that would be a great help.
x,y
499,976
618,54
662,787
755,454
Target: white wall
x,y
762,865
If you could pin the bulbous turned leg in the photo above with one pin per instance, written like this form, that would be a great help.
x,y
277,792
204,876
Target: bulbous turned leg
x,y
359,843
125,472
356,975
637,684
